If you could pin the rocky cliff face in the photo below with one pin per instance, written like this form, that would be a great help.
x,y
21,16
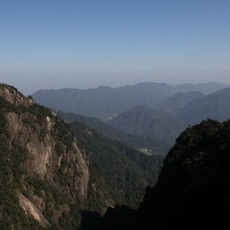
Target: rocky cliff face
x,y
43,160
50,173
13,96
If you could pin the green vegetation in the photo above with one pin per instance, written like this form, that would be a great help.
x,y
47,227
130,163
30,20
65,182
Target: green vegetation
x,y
15,176
119,174
63,134
192,191
144,121
137,142
12,157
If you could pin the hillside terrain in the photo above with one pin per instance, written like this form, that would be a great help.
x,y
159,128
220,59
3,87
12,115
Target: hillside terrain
x,y
178,101
146,145
50,171
43,173
193,189
119,173
146,122
55,175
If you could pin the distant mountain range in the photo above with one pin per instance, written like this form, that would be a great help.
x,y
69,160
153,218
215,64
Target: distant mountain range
x,y
104,102
151,114
162,126
176,103
214,106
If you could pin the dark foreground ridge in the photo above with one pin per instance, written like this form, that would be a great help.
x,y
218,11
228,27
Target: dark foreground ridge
x,y
193,191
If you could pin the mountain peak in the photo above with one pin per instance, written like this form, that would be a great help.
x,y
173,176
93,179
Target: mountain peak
x,y
13,96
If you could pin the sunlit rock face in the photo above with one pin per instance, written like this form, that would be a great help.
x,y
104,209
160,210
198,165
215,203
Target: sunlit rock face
x,y
51,167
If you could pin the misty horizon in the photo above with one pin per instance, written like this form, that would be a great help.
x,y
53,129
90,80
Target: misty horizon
x,y
86,44
30,91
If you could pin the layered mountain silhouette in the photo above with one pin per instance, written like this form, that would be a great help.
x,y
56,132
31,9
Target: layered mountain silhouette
x,y
214,106
104,102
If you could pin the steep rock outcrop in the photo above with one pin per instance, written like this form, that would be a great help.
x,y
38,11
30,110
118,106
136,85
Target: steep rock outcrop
x,y
31,210
49,172
13,96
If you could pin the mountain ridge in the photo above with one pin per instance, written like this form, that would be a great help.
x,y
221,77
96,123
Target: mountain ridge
x,y
103,102
143,121
214,106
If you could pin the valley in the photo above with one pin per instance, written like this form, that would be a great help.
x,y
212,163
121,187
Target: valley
x,y
114,115
62,170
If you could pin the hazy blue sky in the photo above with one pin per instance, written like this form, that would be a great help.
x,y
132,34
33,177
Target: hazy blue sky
x,y
87,43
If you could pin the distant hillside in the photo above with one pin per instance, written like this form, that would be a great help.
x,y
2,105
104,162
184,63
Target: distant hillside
x,y
146,145
205,88
146,122
177,102
104,102
214,106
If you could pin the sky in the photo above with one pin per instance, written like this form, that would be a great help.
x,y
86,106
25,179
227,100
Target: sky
x,y
87,43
